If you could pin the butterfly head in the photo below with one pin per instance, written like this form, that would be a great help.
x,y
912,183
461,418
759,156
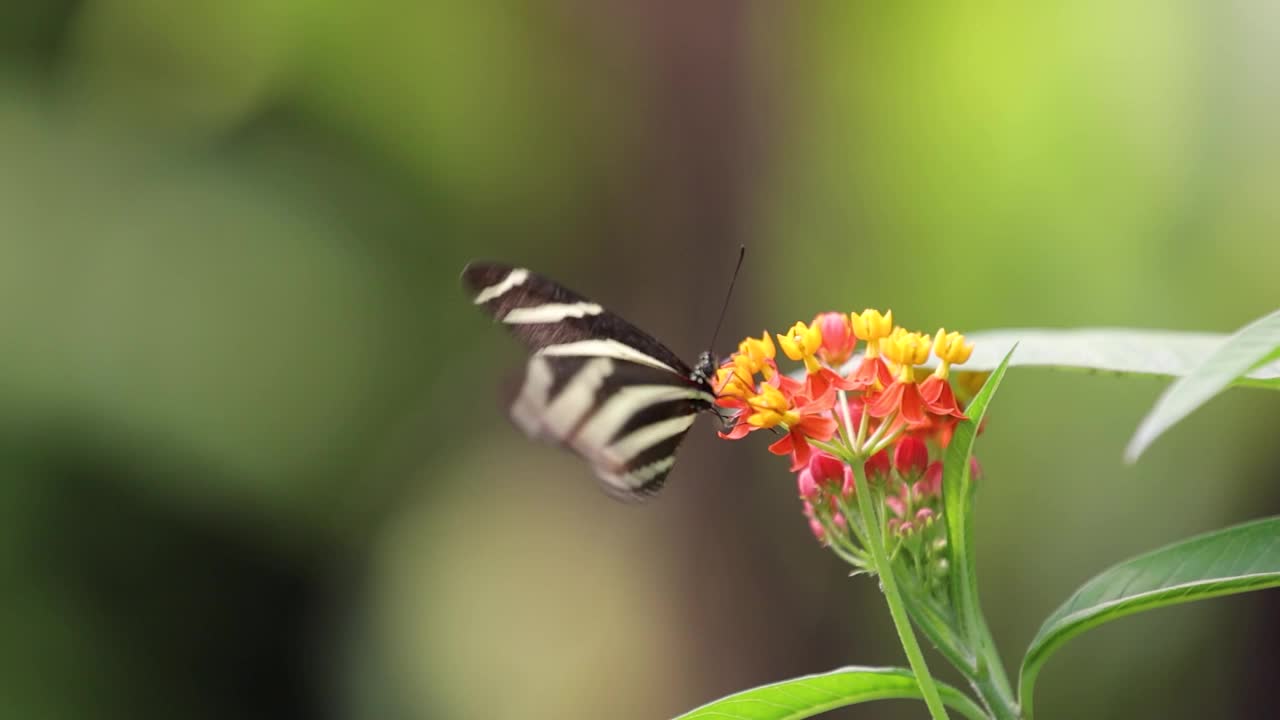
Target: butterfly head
x,y
705,369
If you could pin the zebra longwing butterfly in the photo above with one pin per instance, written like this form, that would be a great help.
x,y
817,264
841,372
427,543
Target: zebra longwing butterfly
x,y
594,383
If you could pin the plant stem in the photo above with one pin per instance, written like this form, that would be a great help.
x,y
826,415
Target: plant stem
x,y
990,681
939,627
892,597
994,690
840,545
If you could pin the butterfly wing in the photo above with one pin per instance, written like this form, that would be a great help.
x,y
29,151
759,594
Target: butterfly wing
x,y
594,383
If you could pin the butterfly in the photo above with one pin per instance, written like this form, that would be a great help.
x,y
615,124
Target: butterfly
x,y
594,383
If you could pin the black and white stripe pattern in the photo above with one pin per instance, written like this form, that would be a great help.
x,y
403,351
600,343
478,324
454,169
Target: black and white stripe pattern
x,y
594,383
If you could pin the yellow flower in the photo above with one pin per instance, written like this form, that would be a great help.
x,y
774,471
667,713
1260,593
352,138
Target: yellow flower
x,y
771,408
801,342
735,382
906,350
950,349
757,355
871,326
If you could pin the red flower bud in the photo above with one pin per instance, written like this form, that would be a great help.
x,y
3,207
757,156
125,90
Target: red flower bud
x,y
910,456
877,466
824,466
827,470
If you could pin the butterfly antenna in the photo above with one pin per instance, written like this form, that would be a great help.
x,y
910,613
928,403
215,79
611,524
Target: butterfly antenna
x,y
742,252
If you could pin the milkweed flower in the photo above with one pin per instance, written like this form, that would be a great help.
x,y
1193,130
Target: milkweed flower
x,y
779,405
804,343
758,355
901,399
872,327
809,419
936,390
888,415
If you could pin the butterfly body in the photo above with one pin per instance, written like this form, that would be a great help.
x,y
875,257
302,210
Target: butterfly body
x,y
594,382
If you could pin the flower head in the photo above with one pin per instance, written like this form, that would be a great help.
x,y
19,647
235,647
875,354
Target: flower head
x,y
894,422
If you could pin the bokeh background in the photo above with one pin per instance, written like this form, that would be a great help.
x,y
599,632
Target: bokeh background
x,y
252,463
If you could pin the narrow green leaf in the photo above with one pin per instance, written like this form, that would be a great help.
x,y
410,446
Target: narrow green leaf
x,y
1232,358
810,695
1120,351
957,494
1109,350
1234,560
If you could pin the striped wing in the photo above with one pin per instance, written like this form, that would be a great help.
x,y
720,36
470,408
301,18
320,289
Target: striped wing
x,y
594,383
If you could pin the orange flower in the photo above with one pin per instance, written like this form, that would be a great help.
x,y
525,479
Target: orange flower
x,y
872,327
902,397
936,390
812,419
804,342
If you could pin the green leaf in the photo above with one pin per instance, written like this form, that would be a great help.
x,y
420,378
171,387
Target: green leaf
x,y
1249,346
957,493
810,695
1235,560
1121,351
1111,350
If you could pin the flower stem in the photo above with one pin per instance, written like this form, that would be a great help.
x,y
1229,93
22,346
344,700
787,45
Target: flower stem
x,y
939,626
892,597
990,681
994,690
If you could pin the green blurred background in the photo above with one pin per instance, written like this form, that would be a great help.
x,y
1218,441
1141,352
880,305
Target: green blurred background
x,y
252,463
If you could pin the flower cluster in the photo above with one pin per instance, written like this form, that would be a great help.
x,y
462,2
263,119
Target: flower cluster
x,y
873,412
